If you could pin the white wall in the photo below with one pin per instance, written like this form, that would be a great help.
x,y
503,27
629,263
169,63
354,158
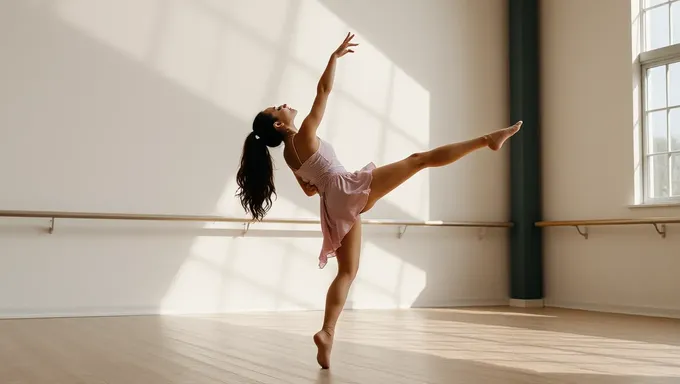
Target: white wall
x,y
589,165
141,106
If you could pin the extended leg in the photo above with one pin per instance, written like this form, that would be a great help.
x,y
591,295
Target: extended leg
x,y
390,176
348,265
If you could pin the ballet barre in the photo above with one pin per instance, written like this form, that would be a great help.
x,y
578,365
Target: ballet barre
x,y
402,224
659,224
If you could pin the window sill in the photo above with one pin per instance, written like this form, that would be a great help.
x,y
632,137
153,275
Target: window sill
x,y
670,204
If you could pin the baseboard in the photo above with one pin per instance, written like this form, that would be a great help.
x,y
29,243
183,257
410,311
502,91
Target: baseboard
x,y
521,303
25,313
119,312
621,309
461,303
77,312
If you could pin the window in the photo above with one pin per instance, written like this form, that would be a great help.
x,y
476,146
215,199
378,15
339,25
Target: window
x,y
660,65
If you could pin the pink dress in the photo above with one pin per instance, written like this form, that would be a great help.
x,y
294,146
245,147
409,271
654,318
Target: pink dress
x,y
343,195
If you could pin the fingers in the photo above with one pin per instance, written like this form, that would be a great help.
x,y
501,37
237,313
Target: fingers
x,y
348,38
344,47
344,52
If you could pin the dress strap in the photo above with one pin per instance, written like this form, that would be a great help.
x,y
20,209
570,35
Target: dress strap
x,y
292,142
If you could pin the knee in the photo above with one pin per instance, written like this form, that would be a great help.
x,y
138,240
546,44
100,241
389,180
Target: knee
x,y
418,160
348,274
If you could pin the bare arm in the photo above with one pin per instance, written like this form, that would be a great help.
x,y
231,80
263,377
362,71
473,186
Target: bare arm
x,y
307,188
323,89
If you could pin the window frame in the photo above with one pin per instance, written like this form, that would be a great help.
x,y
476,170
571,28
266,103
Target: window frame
x,y
663,56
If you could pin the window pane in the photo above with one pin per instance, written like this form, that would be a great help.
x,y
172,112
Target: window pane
x,y
657,168
674,120
656,88
674,84
657,139
651,3
675,20
675,174
656,28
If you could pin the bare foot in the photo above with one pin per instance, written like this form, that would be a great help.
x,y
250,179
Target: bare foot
x,y
324,342
497,138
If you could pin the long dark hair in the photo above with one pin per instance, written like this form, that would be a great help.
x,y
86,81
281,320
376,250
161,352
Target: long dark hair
x,y
255,176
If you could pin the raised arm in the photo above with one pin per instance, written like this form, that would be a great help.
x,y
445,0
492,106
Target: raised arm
x,y
323,89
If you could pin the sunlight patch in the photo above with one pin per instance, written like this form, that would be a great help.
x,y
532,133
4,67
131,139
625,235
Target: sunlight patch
x,y
366,77
386,280
245,274
412,197
410,108
356,134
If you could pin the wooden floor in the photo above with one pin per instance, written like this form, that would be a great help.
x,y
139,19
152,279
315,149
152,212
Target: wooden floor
x,y
486,346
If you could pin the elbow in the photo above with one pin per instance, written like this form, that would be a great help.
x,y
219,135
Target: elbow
x,y
308,191
323,89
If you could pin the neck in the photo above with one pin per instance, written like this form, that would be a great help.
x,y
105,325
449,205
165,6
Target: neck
x,y
290,132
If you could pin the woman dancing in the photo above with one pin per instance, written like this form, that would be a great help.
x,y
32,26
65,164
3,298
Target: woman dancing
x,y
344,195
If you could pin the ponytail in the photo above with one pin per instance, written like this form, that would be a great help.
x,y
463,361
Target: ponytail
x,y
255,177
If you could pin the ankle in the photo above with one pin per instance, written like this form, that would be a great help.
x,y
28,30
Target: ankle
x,y
329,331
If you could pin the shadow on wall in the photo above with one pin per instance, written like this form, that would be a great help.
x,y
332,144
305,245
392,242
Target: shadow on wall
x,y
120,133
146,118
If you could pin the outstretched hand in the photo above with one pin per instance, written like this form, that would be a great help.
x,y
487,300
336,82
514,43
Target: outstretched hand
x,y
344,48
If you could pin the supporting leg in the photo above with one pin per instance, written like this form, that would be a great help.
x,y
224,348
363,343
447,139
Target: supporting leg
x,y
348,266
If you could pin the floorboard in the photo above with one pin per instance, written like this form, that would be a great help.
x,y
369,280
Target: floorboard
x,y
471,345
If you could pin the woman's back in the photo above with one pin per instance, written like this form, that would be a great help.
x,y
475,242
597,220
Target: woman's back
x,y
297,151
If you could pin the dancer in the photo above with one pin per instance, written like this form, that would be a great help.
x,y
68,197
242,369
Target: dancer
x,y
344,195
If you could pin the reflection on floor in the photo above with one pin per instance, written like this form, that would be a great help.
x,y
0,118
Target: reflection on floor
x,y
480,345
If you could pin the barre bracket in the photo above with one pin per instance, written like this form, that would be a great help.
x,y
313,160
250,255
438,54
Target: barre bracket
x,y
402,230
51,229
481,233
583,233
246,227
661,231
